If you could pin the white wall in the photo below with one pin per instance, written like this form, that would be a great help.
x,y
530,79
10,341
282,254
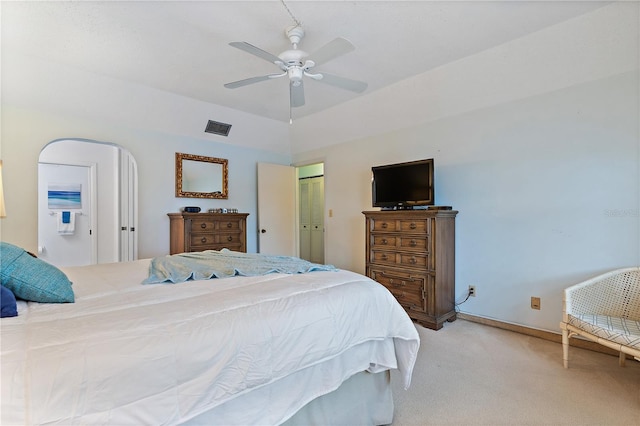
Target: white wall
x,y
536,143
25,131
548,191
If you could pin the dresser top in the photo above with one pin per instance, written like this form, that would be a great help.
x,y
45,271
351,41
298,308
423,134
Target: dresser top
x,y
411,213
202,214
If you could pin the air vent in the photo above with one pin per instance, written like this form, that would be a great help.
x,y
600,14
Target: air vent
x,y
217,128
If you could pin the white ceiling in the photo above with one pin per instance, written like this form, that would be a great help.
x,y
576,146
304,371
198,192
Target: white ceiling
x,y
182,47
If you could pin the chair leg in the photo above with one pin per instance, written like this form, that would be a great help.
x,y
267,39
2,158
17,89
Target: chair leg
x,y
565,347
622,359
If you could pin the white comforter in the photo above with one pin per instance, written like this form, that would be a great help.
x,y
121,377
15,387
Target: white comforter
x,y
127,353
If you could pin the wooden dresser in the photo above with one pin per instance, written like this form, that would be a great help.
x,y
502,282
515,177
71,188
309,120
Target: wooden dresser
x,y
412,253
207,231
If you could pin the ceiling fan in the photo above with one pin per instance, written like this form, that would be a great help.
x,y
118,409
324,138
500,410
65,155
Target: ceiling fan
x,y
296,64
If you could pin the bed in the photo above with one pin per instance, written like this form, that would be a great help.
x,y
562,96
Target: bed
x,y
278,348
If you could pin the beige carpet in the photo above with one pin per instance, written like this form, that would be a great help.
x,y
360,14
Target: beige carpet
x,y
473,374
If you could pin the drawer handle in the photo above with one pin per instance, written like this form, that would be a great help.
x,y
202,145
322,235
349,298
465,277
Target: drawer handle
x,y
203,240
413,225
203,225
384,241
398,285
413,243
229,225
383,257
384,225
398,294
413,260
229,238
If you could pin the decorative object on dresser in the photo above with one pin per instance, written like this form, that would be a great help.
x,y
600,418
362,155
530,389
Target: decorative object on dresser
x,y
207,231
412,253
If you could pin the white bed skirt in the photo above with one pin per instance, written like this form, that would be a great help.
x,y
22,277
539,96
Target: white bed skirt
x,y
363,399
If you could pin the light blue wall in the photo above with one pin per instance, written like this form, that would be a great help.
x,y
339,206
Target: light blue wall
x,y
548,190
154,152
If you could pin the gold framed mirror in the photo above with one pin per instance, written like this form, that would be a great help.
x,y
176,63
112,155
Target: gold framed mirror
x,y
198,176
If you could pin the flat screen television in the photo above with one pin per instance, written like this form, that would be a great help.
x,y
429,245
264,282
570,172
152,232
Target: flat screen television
x,y
403,185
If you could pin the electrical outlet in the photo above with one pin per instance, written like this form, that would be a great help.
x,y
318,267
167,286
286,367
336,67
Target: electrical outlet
x,y
472,290
535,303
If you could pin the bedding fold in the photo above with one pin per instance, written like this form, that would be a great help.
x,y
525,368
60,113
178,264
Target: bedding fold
x,y
225,263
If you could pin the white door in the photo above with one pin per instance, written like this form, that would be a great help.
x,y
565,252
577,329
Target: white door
x,y
311,195
66,188
276,209
305,219
316,199
128,207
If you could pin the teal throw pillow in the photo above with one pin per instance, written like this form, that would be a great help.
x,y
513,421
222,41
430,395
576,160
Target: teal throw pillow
x,y
32,279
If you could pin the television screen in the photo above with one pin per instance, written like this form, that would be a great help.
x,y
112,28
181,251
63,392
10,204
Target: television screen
x,y
403,185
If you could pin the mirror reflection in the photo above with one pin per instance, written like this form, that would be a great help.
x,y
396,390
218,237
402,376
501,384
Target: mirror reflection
x,y
198,176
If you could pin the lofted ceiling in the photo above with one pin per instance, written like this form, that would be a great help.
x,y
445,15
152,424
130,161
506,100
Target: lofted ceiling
x,y
183,46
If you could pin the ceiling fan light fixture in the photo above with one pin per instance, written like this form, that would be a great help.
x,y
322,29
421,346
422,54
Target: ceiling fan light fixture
x,y
295,75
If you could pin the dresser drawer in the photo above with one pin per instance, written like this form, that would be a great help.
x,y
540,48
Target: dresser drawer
x,y
421,260
209,225
202,225
421,243
198,240
229,225
383,241
382,257
414,260
418,225
408,289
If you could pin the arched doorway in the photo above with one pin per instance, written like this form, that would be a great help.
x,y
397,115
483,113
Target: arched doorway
x,y
87,203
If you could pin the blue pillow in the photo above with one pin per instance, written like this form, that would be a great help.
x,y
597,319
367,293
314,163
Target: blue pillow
x,y
9,307
30,278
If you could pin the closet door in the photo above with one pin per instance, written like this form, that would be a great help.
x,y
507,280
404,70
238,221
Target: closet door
x,y
305,220
316,204
311,193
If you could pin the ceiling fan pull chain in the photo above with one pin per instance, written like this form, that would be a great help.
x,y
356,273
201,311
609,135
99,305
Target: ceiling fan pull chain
x,y
298,23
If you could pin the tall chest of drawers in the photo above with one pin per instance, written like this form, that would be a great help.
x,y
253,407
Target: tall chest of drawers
x,y
412,253
207,231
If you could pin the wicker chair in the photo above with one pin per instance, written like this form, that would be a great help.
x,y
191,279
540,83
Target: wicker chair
x,y
606,310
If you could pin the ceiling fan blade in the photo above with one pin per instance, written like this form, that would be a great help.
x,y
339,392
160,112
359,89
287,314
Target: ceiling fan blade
x,y
296,95
250,48
343,83
331,50
246,81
